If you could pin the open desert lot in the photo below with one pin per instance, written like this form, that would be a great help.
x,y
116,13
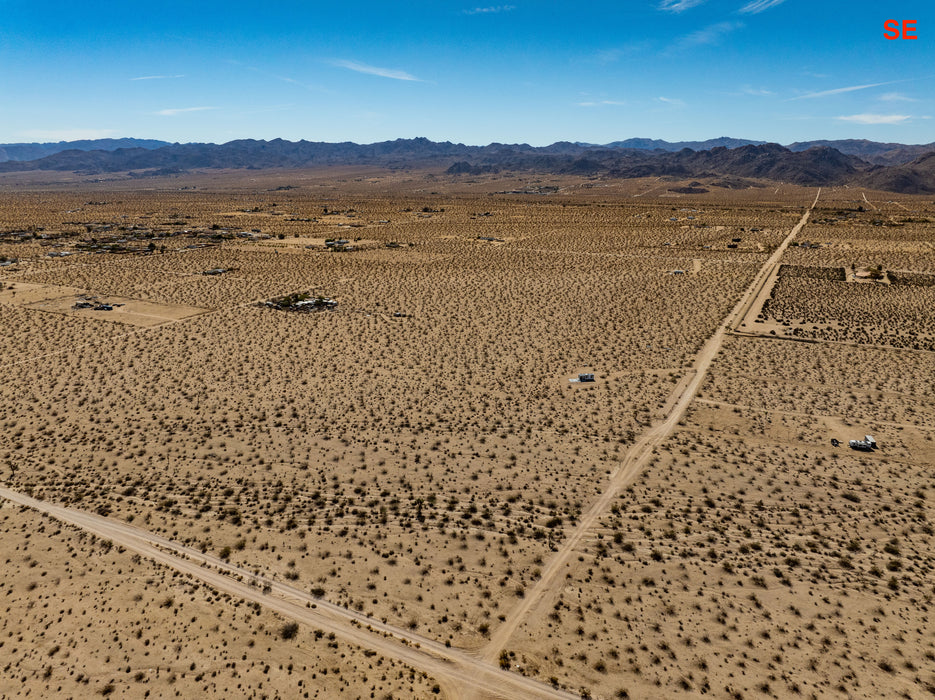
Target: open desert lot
x,y
311,434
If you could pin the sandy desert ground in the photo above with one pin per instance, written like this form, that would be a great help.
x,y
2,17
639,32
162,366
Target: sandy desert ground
x,y
417,454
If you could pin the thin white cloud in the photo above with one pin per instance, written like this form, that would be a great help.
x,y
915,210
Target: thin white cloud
x,y
896,97
293,81
158,77
876,118
181,110
67,134
758,6
493,10
674,101
276,76
759,92
838,91
712,34
375,70
678,5
602,103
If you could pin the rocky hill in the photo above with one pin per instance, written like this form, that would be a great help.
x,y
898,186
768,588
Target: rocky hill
x,y
917,177
871,151
32,151
874,152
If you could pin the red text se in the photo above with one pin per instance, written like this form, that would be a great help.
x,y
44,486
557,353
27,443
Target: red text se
x,y
891,29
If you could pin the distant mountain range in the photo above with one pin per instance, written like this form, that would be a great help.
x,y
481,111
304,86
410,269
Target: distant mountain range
x,y
915,177
870,151
888,166
32,151
659,144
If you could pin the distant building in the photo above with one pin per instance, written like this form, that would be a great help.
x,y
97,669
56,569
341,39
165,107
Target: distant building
x,y
862,445
318,303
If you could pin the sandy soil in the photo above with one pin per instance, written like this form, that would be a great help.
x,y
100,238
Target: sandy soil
x,y
132,312
417,455
86,618
24,293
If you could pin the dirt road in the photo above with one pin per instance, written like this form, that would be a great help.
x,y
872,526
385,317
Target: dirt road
x,y
456,671
763,283
550,584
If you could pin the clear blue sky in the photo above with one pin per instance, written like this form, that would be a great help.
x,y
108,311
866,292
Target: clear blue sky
x,y
470,72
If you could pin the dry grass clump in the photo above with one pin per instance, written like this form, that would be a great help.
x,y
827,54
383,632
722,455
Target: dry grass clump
x,y
882,314
836,274
27,331
418,453
752,556
83,618
418,468
896,237
859,273
860,386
